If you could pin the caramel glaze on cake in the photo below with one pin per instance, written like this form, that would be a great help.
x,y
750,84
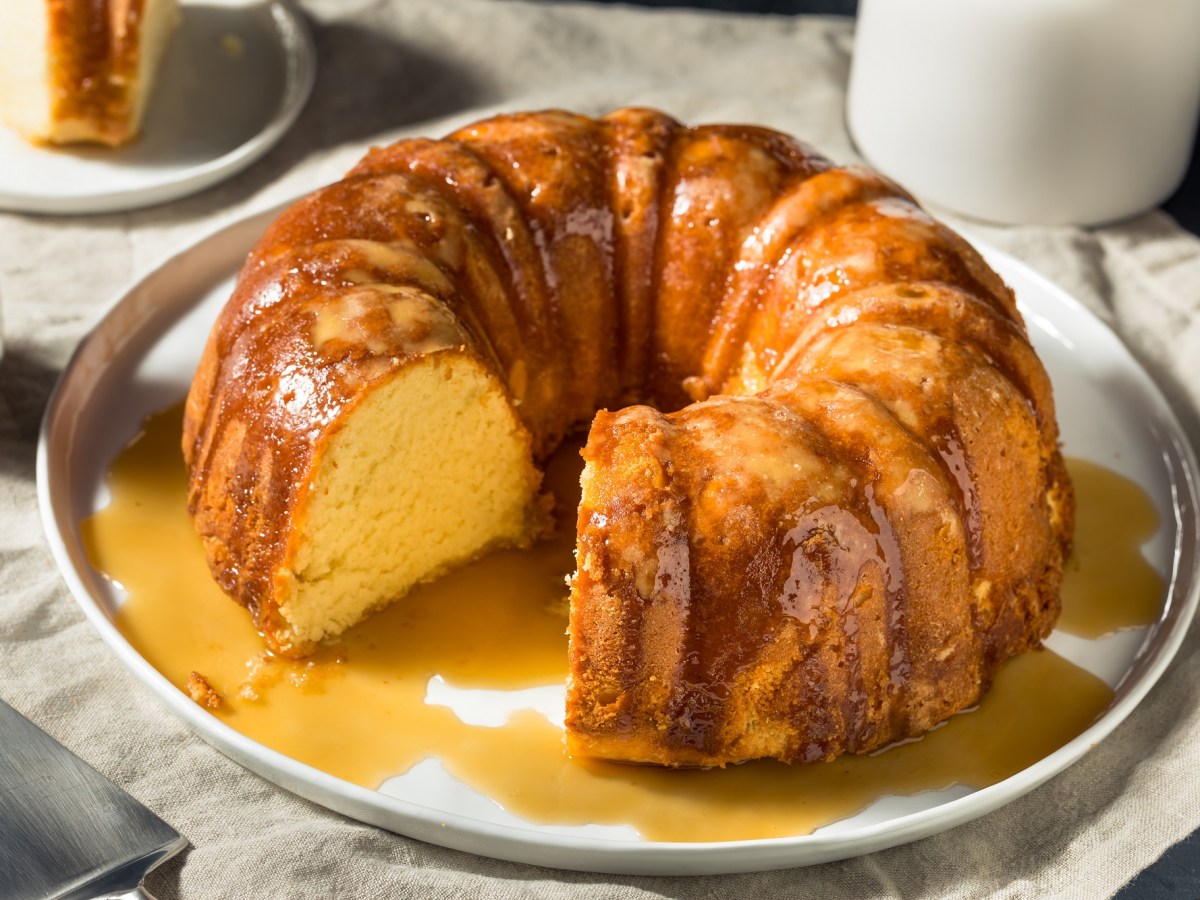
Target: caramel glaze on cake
x,y
854,511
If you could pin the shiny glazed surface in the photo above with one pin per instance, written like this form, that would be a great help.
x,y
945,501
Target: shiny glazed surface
x,y
863,516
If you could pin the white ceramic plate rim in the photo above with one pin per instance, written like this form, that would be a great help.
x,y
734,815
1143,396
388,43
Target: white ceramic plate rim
x,y
527,844
301,72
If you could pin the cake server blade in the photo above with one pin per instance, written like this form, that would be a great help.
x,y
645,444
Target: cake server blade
x,y
65,831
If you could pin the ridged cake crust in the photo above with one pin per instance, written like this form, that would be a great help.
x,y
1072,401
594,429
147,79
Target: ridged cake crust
x,y
844,506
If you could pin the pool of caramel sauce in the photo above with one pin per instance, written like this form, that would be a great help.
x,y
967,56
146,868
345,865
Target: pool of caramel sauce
x,y
357,708
1109,585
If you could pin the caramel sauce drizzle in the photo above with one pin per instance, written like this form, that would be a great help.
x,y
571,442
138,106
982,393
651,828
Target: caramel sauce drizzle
x,y
1109,585
358,708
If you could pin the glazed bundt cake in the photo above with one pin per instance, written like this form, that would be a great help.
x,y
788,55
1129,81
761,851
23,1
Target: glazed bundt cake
x,y
843,508
81,70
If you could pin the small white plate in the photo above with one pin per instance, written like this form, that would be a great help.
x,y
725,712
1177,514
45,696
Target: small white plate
x,y
141,357
233,80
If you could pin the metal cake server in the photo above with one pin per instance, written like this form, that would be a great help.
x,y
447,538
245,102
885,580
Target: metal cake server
x,y
65,831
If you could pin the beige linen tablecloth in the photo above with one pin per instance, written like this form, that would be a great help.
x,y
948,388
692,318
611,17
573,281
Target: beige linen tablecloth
x,y
421,66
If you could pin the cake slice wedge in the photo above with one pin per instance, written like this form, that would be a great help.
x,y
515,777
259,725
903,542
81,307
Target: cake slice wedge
x,y
81,71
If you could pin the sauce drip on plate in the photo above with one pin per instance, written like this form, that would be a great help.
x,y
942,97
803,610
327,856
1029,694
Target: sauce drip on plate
x,y
1109,585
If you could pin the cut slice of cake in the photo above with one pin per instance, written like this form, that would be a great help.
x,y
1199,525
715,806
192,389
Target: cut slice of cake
x,y
429,471
81,71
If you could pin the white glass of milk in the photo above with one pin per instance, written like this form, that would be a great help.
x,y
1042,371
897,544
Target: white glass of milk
x,y
1028,111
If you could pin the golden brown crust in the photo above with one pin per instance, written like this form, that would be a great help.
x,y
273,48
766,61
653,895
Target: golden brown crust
x,y
639,142
718,181
833,551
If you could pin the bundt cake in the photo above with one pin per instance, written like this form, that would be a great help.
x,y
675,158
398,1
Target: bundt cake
x,y
81,70
845,507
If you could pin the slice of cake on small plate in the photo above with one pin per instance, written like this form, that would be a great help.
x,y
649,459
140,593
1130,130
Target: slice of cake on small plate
x,y
81,71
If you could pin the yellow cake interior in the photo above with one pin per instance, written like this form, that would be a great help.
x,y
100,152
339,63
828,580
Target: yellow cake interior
x,y
24,67
432,470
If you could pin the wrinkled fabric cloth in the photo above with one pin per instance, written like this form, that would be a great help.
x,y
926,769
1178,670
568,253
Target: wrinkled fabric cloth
x,y
410,67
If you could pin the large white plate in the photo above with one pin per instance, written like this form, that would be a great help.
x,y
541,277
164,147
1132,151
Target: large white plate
x,y
234,79
141,356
